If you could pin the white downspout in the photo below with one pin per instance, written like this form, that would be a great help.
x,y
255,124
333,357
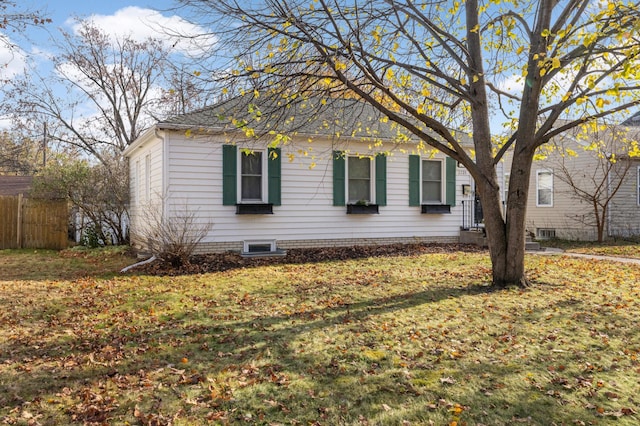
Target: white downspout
x,y
160,134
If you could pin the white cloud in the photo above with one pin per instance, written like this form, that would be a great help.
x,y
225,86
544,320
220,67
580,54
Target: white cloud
x,y
512,84
140,24
12,59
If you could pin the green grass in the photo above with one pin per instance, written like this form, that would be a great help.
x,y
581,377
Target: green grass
x,y
419,340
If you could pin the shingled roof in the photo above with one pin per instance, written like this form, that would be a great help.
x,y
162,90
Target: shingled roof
x,y
312,117
14,185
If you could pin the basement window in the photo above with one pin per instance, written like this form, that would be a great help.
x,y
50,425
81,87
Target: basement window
x,y
545,233
260,248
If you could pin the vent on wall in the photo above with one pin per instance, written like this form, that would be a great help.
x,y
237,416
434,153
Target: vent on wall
x,y
545,233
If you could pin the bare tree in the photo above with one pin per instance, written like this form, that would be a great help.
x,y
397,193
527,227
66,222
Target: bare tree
x,y
594,169
19,155
100,192
433,65
14,19
109,86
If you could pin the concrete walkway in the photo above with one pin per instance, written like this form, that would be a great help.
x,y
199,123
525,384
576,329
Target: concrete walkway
x,y
555,251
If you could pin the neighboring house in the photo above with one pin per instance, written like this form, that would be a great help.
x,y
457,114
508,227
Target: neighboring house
x,y
15,185
339,175
582,174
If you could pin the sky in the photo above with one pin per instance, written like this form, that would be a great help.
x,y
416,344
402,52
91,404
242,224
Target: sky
x,y
123,17
33,48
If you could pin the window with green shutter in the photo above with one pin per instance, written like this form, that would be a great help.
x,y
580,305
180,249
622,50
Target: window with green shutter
x,y
229,175
243,173
452,166
274,170
359,180
381,180
414,180
339,178
432,182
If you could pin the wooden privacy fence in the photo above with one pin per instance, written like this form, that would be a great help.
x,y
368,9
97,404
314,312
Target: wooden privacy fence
x,y
33,223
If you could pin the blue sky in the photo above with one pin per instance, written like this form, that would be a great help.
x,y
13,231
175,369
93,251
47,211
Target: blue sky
x,y
131,17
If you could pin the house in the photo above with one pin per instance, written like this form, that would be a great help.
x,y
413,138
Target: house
x,y
315,174
586,186
15,185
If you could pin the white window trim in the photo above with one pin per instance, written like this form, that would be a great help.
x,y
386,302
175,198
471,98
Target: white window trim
x,y
372,179
638,186
443,182
264,183
538,173
147,177
138,182
505,191
248,243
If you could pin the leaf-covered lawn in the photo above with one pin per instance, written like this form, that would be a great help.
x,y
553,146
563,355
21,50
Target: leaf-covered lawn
x,y
618,248
380,341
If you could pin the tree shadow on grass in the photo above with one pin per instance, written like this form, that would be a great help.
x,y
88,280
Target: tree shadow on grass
x,y
248,368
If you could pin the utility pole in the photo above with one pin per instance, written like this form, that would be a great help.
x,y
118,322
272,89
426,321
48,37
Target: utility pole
x,y
44,146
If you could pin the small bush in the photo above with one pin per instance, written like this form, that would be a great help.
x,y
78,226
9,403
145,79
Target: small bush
x,y
172,239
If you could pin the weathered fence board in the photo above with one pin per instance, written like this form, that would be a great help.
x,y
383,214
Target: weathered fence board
x,y
32,223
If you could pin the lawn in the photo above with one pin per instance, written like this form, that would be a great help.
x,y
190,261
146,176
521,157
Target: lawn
x,y
404,340
619,248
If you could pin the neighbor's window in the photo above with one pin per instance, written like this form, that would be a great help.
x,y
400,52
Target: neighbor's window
x,y
544,188
251,176
505,196
359,172
638,176
432,182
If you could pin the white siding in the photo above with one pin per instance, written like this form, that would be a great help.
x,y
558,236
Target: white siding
x,y
570,217
194,176
624,214
145,180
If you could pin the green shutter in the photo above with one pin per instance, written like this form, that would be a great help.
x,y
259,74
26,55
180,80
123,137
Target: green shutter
x,y
338,178
274,170
229,175
414,180
381,180
451,180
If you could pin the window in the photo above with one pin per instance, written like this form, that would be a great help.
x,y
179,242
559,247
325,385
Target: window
x,y
359,176
507,176
544,191
137,183
432,182
432,178
359,180
147,176
251,176
545,233
259,246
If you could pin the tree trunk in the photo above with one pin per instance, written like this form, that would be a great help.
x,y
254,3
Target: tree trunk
x,y
506,236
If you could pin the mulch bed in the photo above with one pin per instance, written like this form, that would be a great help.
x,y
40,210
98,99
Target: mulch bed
x,y
204,263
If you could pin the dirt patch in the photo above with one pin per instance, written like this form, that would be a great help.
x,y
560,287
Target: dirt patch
x,y
204,263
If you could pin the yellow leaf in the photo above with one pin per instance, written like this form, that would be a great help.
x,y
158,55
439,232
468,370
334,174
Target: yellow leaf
x,y
519,50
